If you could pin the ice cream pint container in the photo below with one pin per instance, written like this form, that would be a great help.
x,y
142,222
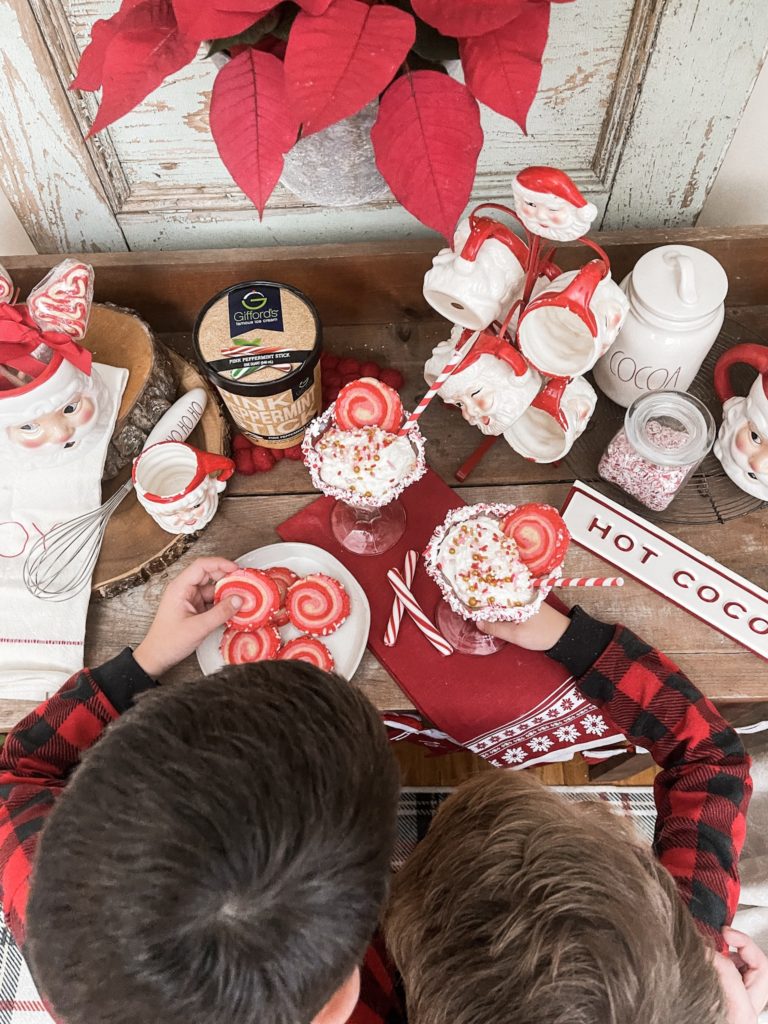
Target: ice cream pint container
x,y
259,343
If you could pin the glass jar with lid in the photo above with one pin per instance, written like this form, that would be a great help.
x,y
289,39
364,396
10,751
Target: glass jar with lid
x,y
665,436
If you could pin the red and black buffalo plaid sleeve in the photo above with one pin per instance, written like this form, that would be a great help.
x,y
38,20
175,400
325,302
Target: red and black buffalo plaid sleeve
x,y
37,759
703,790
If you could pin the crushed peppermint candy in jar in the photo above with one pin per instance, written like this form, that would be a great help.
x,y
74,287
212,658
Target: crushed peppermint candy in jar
x,y
665,436
653,484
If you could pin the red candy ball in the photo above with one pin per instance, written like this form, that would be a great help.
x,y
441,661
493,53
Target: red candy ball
x,y
393,378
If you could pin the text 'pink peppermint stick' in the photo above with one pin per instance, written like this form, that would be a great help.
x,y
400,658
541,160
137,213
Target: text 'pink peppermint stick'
x,y
416,612
396,616
448,369
581,581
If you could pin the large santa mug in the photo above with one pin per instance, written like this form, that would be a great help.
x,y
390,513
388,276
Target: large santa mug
x,y
53,418
742,441
555,419
492,386
567,327
476,281
180,485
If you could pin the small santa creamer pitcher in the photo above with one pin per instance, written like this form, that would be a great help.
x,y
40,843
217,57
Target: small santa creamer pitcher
x,y
676,310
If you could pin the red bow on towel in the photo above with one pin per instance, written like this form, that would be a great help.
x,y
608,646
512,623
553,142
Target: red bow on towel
x,y
20,336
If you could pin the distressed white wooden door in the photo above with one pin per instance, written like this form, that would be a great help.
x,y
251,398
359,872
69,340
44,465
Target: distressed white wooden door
x,y
638,102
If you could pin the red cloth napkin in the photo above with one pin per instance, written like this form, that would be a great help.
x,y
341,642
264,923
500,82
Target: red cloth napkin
x,y
514,707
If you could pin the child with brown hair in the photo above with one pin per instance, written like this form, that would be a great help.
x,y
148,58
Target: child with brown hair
x,y
518,905
220,853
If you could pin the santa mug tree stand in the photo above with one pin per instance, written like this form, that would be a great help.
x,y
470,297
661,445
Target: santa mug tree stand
x,y
538,330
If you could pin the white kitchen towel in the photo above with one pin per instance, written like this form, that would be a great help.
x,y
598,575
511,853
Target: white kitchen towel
x,y
41,642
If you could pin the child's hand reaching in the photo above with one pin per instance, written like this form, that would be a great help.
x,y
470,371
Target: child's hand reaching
x,y
185,617
538,633
744,978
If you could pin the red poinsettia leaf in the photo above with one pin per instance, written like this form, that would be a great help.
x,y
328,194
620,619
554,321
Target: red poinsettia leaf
x,y
459,18
339,61
427,139
147,48
310,6
218,19
251,122
503,68
91,67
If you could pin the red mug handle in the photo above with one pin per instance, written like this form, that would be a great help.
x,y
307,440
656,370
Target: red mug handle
x,y
750,354
210,463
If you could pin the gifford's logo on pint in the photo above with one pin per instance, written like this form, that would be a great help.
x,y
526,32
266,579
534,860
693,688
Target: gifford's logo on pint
x,y
254,308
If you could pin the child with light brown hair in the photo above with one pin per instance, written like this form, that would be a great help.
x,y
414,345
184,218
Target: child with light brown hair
x,y
519,906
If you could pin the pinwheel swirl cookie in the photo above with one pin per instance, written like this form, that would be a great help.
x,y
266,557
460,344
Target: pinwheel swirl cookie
x,y
275,597
489,560
354,452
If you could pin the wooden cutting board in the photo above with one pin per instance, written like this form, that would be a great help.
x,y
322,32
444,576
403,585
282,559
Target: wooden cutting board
x,y
134,546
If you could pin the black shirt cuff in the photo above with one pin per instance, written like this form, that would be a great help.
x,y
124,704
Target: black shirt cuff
x,y
582,643
121,679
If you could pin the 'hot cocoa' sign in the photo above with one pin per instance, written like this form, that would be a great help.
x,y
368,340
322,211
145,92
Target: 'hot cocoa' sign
x,y
672,568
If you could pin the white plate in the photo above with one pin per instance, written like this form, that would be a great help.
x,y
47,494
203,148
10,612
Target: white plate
x,y
346,644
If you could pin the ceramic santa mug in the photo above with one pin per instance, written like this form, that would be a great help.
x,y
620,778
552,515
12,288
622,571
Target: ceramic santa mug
x,y
567,327
492,386
550,205
555,419
742,441
179,485
476,281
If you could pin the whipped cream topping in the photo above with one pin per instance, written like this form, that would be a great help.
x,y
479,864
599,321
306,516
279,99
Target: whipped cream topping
x,y
482,565
368,462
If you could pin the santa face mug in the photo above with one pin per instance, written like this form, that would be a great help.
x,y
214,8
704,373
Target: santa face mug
x,y
567,327
492,386
742,441
476,281
179,485
549,204
53,418
555,419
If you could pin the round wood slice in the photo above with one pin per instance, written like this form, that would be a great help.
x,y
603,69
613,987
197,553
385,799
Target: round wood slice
x,y
134,546
118,337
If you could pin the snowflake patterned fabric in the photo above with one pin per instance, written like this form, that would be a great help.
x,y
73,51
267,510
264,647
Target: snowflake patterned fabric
x,y
563,724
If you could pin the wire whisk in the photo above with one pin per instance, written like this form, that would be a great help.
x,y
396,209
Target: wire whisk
x,y
61,562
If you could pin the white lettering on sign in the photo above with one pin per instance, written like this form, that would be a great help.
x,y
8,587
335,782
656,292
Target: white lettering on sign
x,y
700,585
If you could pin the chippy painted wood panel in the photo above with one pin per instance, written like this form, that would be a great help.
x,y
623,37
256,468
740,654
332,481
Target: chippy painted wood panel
x,y
180,195
49,181
706,57
166,142
606,111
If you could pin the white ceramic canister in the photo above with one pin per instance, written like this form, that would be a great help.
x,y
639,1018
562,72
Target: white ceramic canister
x,y
676,310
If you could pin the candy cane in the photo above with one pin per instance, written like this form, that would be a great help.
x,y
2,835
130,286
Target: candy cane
x,y
396,616
580,581
418,615
448,369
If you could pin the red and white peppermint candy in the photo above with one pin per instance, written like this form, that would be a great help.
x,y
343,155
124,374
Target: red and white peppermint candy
x,y
317,604
309,649
260,596
62,300
368,403
6,285
283,577
238,647
541,536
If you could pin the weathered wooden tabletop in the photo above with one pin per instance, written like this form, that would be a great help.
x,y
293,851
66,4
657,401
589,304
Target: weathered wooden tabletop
x,y
254,506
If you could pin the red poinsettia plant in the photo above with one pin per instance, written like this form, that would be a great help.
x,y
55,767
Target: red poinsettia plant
x,y
298,67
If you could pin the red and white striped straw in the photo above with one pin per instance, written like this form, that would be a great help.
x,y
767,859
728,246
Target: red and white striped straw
x,y
416,612
580,581
396,616
448,369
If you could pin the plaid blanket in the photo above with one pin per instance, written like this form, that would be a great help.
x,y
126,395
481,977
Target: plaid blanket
x,y
20,1002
